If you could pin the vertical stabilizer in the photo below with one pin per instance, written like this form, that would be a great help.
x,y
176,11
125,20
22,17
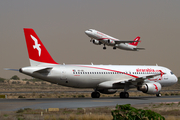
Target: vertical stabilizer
x,y
38,54
135,43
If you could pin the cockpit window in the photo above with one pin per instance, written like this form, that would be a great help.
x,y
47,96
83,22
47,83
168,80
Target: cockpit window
x,y
89,30
172,73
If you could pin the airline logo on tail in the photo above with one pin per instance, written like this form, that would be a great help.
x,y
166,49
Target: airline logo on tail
x,y
36,46
135,43
37,51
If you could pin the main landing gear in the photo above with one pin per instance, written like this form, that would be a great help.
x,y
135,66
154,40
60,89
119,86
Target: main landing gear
x,y
104,47
114,47
124,95
121,95
95,94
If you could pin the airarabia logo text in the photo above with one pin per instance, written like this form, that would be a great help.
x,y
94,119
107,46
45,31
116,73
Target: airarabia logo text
x,y
147,70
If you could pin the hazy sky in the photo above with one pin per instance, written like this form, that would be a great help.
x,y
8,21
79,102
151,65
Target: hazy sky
x,y
60,24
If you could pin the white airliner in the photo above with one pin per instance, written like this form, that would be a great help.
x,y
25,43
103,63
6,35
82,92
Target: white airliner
x,y
99,38
104,79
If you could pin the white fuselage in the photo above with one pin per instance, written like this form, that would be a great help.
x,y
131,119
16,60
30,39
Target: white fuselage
x,y
105,79
90,76
103,39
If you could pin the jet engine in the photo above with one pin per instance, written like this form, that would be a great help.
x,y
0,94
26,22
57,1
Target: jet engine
x,y
96,42
108,91
111,42
150,88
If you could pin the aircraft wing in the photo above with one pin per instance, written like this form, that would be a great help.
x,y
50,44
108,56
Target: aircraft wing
x,y
118,42
140,79
11,69
110,84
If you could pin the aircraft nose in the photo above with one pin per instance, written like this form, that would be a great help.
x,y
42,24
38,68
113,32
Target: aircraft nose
x,y
176,79
87,32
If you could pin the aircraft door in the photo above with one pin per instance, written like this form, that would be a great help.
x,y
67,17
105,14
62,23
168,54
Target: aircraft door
x,y
63,74
165,76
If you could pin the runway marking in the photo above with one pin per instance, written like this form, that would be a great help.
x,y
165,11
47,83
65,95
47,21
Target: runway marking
x,y
169,98
101,101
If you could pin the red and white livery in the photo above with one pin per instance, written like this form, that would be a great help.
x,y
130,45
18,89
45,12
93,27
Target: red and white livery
x,y
106,79
99,38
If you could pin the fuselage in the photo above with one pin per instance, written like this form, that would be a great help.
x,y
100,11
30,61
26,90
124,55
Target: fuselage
x,y
102,38
105,79
90,76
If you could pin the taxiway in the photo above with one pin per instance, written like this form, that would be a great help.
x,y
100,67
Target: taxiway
x,y
43,103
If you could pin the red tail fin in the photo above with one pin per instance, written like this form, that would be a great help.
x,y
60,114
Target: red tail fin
x,y
37,52
135,43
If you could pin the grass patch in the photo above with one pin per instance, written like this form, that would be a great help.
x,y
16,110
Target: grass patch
x,y
2,96
5,115
99,113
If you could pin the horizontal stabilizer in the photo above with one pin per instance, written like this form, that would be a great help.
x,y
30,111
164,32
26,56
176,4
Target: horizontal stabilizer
x,y
11,69
44,71
139,48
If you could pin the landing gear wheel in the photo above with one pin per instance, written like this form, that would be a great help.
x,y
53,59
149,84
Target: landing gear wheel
x,y
124,95
104,47
114,48
158,95
121,95
95,94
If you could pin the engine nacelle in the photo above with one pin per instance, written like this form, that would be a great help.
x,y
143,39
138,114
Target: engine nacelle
x,y
96,42
150,88
112,42
108,91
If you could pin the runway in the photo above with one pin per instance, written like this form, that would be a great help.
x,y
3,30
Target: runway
x,y
16,104
4,92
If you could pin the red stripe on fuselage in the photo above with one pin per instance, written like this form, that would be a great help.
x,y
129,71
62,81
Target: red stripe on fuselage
x,y
108,38
110,70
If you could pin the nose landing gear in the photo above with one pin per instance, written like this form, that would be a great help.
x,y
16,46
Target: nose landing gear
x,y
95,94
158,95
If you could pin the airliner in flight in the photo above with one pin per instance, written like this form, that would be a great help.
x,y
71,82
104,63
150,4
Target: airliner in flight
x,y
105,79
99,38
